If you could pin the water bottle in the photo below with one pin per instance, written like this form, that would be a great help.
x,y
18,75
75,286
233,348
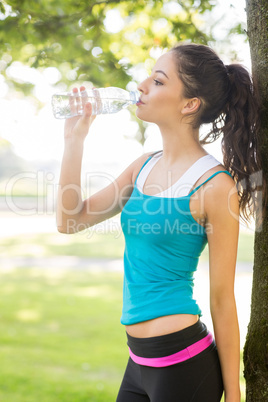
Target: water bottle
x,y
103,100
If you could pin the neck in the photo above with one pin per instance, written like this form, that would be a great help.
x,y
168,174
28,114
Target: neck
x,y
181,144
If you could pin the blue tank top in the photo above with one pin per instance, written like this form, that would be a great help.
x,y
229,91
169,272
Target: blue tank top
x,y
163,243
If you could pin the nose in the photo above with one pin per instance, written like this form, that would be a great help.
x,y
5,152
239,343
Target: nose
x,y
142,87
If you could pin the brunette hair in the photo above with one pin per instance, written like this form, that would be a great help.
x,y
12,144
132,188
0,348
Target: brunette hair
x,y
230,103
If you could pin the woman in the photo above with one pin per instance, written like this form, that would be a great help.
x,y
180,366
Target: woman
x,y
173,203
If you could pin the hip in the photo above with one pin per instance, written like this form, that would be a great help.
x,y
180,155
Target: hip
x,y
170,349
162,325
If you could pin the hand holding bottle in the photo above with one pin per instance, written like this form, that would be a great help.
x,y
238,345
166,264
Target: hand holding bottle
x,y
78,126
103,101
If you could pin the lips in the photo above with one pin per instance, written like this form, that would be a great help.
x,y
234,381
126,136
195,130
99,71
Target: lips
x,y
139,102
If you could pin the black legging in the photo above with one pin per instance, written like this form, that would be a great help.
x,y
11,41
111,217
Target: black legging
x,y
197,379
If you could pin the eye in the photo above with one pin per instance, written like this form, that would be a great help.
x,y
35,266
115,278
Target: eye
x,y
157,82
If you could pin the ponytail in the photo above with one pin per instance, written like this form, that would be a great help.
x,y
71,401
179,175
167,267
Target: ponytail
x,y
240,143
230,103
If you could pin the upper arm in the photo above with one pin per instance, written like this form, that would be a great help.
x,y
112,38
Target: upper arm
x,y
222,212
109,201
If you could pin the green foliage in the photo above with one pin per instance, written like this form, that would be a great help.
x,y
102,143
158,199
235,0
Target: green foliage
x,y
73,36
78,39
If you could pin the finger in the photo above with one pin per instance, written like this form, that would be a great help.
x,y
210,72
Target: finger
x,y
84,96
87,115
78,102
88,110
72,101
98,101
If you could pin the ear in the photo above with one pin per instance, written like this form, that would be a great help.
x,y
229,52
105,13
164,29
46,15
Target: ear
x,y
191,106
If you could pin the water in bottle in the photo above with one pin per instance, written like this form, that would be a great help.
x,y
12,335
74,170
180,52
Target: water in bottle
x,y
103,100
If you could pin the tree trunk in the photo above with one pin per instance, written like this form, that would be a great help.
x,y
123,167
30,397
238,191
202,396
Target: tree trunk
x,y
256,347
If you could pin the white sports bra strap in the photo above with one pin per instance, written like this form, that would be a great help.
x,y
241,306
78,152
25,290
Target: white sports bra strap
x,y
186,182
146,170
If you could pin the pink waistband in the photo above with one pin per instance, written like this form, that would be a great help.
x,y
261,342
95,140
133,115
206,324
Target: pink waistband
x,y
178,357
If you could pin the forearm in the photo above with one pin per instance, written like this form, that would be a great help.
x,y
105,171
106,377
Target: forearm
x,y
69,202
227,338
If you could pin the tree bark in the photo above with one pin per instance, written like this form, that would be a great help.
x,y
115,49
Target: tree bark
x,y
256,347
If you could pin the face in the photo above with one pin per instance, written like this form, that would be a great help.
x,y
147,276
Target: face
x,y
161,99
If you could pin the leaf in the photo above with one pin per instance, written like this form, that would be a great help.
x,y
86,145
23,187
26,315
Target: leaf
x,y
2,8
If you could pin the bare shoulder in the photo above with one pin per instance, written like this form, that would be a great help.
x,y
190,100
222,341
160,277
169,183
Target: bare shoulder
x,y
216,182
221,195
222,182
137,165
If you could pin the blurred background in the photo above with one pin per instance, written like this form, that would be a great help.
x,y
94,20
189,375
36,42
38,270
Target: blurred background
x,y
60,337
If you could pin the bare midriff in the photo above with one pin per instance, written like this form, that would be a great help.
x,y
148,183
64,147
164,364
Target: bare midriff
x,y
161,325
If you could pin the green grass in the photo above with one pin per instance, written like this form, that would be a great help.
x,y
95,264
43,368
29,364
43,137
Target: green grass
x,y
84,244
90,244
60,337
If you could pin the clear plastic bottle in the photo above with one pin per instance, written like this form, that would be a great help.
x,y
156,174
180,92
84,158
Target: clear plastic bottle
x,y
103,100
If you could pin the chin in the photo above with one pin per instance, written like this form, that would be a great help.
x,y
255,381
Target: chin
x,y
143,117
